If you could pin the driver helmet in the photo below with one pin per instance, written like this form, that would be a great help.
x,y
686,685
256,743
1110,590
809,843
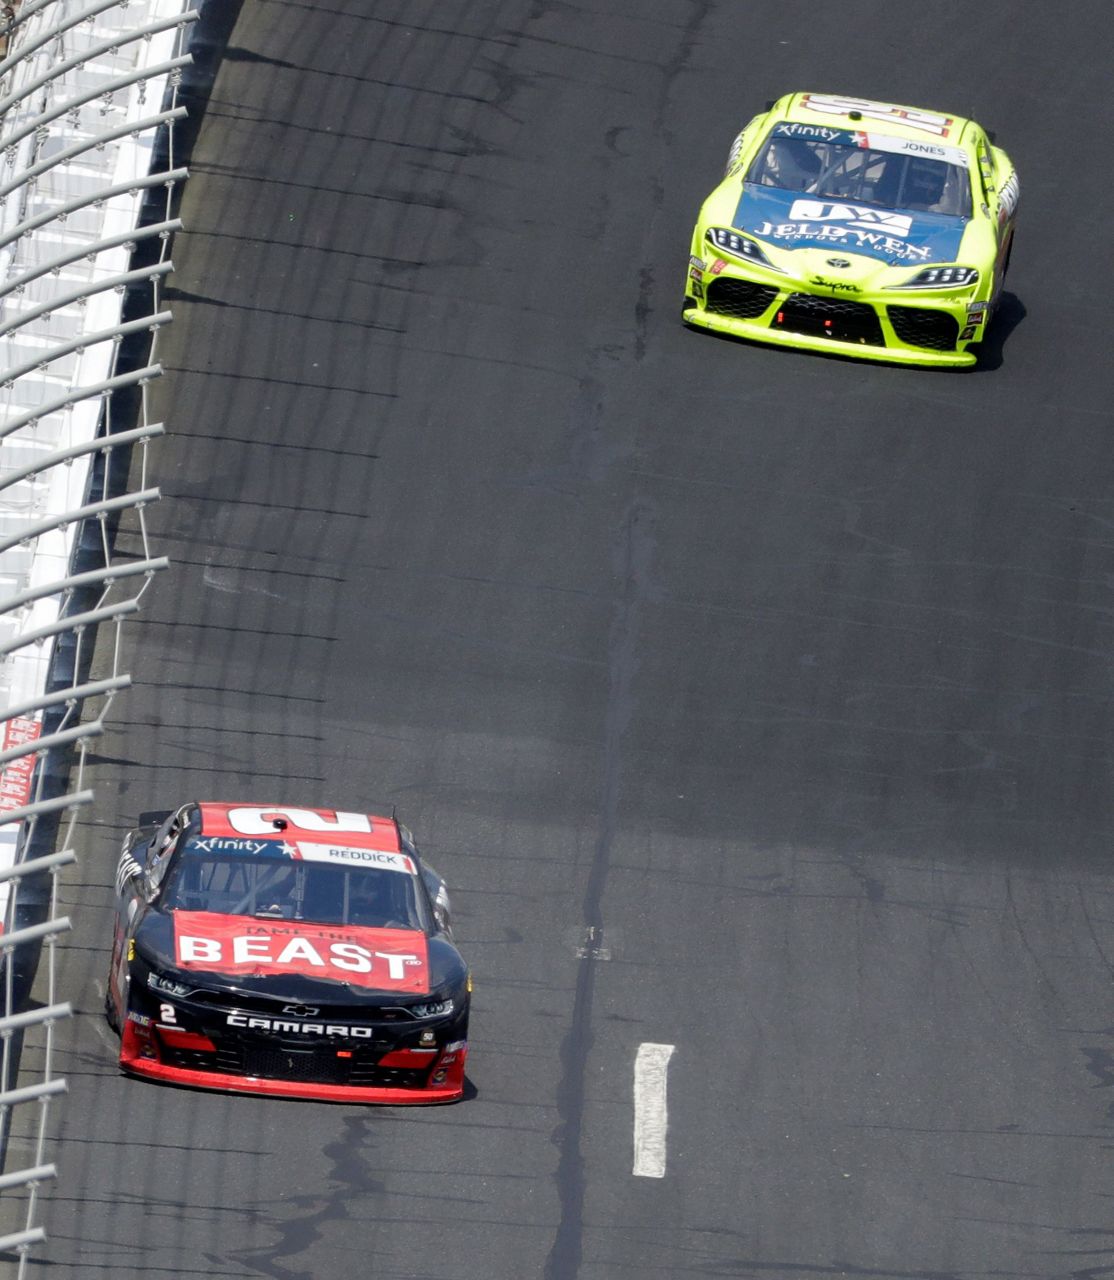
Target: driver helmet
x,y
793,163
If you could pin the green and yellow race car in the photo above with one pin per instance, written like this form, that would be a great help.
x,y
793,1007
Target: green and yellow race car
x,y
856,227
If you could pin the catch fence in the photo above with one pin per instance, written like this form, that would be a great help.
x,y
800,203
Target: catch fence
x,y
88,181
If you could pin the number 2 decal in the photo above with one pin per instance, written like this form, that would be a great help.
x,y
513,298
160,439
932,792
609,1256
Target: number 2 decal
x,y
927,121
259,821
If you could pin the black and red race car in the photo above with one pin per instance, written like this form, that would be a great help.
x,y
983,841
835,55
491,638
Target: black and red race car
x,y
277,950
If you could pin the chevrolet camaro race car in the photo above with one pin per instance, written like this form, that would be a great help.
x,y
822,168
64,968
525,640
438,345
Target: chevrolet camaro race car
x,y
856,227
276,950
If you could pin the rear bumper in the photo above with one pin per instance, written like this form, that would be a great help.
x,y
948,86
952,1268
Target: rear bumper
x,y
138,1057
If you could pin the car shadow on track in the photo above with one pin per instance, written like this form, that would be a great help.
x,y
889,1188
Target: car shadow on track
x,y
1011,312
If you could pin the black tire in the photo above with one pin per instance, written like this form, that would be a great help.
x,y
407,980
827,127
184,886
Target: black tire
x,y
109,1007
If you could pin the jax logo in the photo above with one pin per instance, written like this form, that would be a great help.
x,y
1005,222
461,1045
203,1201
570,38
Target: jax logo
x,y
852,215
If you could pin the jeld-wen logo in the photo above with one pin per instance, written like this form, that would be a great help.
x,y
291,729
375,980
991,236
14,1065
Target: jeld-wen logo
x,y
852,215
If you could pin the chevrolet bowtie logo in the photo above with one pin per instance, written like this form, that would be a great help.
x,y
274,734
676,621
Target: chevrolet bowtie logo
x,y
301,1010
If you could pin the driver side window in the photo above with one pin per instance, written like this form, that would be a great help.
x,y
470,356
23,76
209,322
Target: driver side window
x,y
162,849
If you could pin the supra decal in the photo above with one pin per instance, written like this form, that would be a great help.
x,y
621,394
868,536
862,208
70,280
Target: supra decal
x,y
835,285
390,959
926,121
281,1027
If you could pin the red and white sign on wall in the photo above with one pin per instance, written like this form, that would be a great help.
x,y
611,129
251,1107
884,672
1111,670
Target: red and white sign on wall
x,y
379,959
15,791
15,781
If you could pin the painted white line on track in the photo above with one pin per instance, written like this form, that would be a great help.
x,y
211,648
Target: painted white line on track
x,y
651,1114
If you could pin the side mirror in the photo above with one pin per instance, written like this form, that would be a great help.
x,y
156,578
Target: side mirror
x,y
439,894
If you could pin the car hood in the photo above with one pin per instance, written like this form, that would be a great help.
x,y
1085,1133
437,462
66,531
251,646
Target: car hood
x,y
297,959
897,237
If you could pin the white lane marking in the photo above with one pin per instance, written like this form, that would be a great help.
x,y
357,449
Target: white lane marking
x,y
232,582
651,1115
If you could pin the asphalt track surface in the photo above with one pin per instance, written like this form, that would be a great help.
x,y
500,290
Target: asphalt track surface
x,y
788,677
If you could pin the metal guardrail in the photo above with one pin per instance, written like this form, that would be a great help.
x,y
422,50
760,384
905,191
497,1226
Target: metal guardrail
x,y
87,196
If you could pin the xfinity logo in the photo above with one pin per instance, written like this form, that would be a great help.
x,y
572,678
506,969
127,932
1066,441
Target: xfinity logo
x,y
854,215
230,844
279,1027
820,131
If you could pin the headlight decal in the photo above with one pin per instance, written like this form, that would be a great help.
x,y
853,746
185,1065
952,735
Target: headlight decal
x,y
167,986
728,240
432,1008
941,277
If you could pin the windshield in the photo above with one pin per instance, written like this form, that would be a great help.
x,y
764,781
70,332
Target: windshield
x,y
286,889
843,167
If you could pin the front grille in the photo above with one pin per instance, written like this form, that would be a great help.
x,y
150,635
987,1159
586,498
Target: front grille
x,y
315,1065
308,1064
835,318
920,327
186,1059
739,299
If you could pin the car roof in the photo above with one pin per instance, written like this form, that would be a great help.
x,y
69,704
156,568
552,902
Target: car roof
x,y
353,830
866,115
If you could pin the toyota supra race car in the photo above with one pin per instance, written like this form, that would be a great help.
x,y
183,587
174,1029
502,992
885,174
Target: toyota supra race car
x,y
856,227
298,952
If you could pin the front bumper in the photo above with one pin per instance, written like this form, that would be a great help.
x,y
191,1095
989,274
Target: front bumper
x,y
904,327
377,1067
